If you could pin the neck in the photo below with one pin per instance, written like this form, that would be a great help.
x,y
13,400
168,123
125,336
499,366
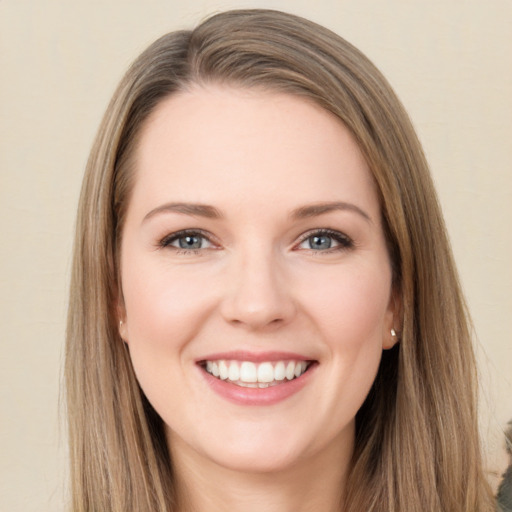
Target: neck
x,y
312,484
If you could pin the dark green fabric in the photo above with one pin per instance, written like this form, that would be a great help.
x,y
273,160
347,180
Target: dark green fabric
x,y
505,492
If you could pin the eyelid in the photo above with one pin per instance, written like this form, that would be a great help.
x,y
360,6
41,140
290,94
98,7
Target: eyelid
x,y
166,241
342,240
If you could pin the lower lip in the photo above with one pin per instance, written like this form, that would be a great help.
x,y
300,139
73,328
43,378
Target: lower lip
x,y
258,396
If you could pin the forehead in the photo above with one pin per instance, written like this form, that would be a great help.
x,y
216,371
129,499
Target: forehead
x,y
218,143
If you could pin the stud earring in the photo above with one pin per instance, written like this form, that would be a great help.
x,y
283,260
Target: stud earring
x,y
121,323
393,333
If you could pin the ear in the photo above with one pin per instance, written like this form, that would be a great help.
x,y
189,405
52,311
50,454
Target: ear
x,y
122,324
123,330
393,322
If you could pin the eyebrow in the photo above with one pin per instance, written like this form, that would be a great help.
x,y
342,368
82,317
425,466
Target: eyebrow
x,y
210,212
321,208
199,210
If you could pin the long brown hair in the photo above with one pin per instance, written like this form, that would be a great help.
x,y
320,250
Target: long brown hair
x,y
417,445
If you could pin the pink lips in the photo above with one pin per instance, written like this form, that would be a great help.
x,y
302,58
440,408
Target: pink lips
x,y
256,396
255,357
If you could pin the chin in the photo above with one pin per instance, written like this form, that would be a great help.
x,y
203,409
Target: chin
x,y
260,460
247,448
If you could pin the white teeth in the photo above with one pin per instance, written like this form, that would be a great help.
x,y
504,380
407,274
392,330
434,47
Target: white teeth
x,y
300,369
223,370
262,375
234,371
265,372
279,371
290,370
248,372
247,384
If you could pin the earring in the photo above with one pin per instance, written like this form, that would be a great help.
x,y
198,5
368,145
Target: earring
x,y
393,333
121,323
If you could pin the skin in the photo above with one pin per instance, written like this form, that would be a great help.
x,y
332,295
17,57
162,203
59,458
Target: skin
x,y
259,284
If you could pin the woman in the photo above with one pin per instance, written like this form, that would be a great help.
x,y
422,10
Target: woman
x,y
264,310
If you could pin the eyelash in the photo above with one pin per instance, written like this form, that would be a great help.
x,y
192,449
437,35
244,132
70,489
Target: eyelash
x,y
173,237
344,242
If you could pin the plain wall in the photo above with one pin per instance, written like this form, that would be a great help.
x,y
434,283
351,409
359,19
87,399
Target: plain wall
x,y
451,64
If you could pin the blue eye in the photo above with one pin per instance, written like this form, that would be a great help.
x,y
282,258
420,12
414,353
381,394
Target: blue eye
x,y
325,240
187,240
190,242
320,242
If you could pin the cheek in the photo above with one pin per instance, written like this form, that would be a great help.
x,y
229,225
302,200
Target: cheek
x,y
163,305
351,307
163,314
353,317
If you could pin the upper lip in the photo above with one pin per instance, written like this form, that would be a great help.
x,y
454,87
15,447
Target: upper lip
x,y
255,357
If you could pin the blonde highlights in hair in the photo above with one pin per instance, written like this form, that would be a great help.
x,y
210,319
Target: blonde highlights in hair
x,y
417,446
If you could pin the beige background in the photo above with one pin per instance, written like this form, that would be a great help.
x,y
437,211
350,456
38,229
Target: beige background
x,y
450,62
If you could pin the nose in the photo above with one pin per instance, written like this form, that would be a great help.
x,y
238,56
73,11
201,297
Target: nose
x,y
258,294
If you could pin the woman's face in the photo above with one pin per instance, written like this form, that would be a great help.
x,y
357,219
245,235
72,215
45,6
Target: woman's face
x,y
255,277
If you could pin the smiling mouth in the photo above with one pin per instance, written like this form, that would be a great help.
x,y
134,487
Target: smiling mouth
x,y
256,375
